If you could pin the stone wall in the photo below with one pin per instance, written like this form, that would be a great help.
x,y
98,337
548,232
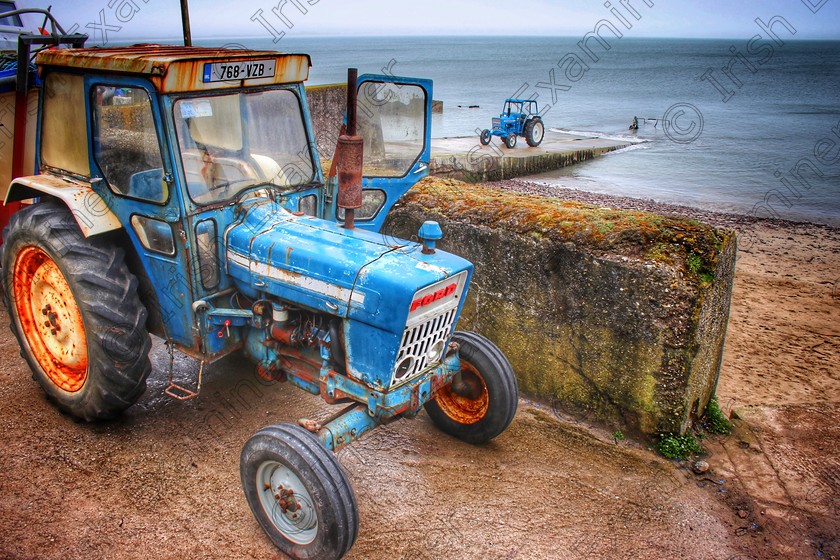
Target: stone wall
x,y
614,315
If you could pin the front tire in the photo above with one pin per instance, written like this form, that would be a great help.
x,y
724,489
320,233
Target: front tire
x,y
299,493
485,137
510,141
534,132
485,402
75,311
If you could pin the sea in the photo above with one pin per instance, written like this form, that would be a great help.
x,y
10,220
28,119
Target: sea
x,y
732,125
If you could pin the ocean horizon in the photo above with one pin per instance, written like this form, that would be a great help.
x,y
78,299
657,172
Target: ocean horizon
x,y
727,125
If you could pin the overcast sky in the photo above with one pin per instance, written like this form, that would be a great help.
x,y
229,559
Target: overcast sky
x,y
812,19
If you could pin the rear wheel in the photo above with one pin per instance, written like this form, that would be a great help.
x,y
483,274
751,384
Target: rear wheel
x,y
510,141
299,493
482,403
534,132
75,312
485,137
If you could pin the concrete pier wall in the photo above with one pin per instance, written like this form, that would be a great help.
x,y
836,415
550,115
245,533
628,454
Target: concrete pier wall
x,y
481,167
611,315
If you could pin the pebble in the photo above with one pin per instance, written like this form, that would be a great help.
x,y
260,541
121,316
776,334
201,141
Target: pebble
x,y
700,467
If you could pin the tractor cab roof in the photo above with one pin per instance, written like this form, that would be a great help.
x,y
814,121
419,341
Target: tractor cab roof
x,y
520,106
180,69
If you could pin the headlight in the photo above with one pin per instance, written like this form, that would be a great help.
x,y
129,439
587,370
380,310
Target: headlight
x,y
404,368
436,351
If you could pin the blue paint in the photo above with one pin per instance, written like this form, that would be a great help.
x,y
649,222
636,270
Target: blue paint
x,y
429,234
513,117
376,287
346,428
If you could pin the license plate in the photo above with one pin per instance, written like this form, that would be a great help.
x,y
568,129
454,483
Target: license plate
x,y
232,71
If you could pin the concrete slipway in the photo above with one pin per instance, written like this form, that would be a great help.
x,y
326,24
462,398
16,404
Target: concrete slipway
x,y
466,159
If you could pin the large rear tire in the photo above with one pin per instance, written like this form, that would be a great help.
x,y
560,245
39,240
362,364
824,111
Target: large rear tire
x,y
299,493
484,403
75,311
534,132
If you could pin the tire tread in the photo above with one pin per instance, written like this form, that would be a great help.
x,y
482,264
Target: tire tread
x,y
502,409
326,469
106,293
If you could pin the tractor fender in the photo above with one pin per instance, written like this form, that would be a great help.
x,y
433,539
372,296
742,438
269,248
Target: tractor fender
x,y
88,208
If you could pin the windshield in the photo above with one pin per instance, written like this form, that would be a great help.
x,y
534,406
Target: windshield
x,y
233,142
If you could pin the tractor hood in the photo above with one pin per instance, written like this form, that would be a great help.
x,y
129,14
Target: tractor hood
x,y
357,274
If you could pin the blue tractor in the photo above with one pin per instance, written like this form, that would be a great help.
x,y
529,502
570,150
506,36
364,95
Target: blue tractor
x,y
519,117
178,192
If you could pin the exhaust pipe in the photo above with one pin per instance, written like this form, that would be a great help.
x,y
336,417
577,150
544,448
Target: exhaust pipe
x,y
350,158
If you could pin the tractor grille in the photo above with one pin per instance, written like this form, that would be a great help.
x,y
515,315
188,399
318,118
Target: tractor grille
x,y
419,342
428,328
497,122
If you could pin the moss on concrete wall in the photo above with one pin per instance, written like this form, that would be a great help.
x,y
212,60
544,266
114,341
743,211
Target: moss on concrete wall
x,y
618,314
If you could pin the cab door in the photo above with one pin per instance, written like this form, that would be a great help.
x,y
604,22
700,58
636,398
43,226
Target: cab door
x,y
394,116
133,175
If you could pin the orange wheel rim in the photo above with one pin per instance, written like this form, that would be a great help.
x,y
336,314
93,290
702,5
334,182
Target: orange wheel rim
x,y
50,319
465,408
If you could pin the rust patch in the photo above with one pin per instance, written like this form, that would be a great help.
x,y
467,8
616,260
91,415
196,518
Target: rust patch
x,y
310,425
50,319
465,401
176,68
349,170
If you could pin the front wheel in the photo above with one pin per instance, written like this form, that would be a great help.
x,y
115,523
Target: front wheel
x,y
510,141
485,137
299,493
481,401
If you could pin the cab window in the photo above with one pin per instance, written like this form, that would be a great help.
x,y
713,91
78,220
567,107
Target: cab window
x,y
63,127
125,143
9,21
392,120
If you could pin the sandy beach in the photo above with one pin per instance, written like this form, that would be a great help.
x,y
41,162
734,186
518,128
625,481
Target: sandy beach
x,y
783,341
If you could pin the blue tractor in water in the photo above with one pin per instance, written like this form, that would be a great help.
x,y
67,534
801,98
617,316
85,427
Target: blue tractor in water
x,y
178,192
519,117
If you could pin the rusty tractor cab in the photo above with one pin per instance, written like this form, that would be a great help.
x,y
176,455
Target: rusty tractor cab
x,y
177,191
